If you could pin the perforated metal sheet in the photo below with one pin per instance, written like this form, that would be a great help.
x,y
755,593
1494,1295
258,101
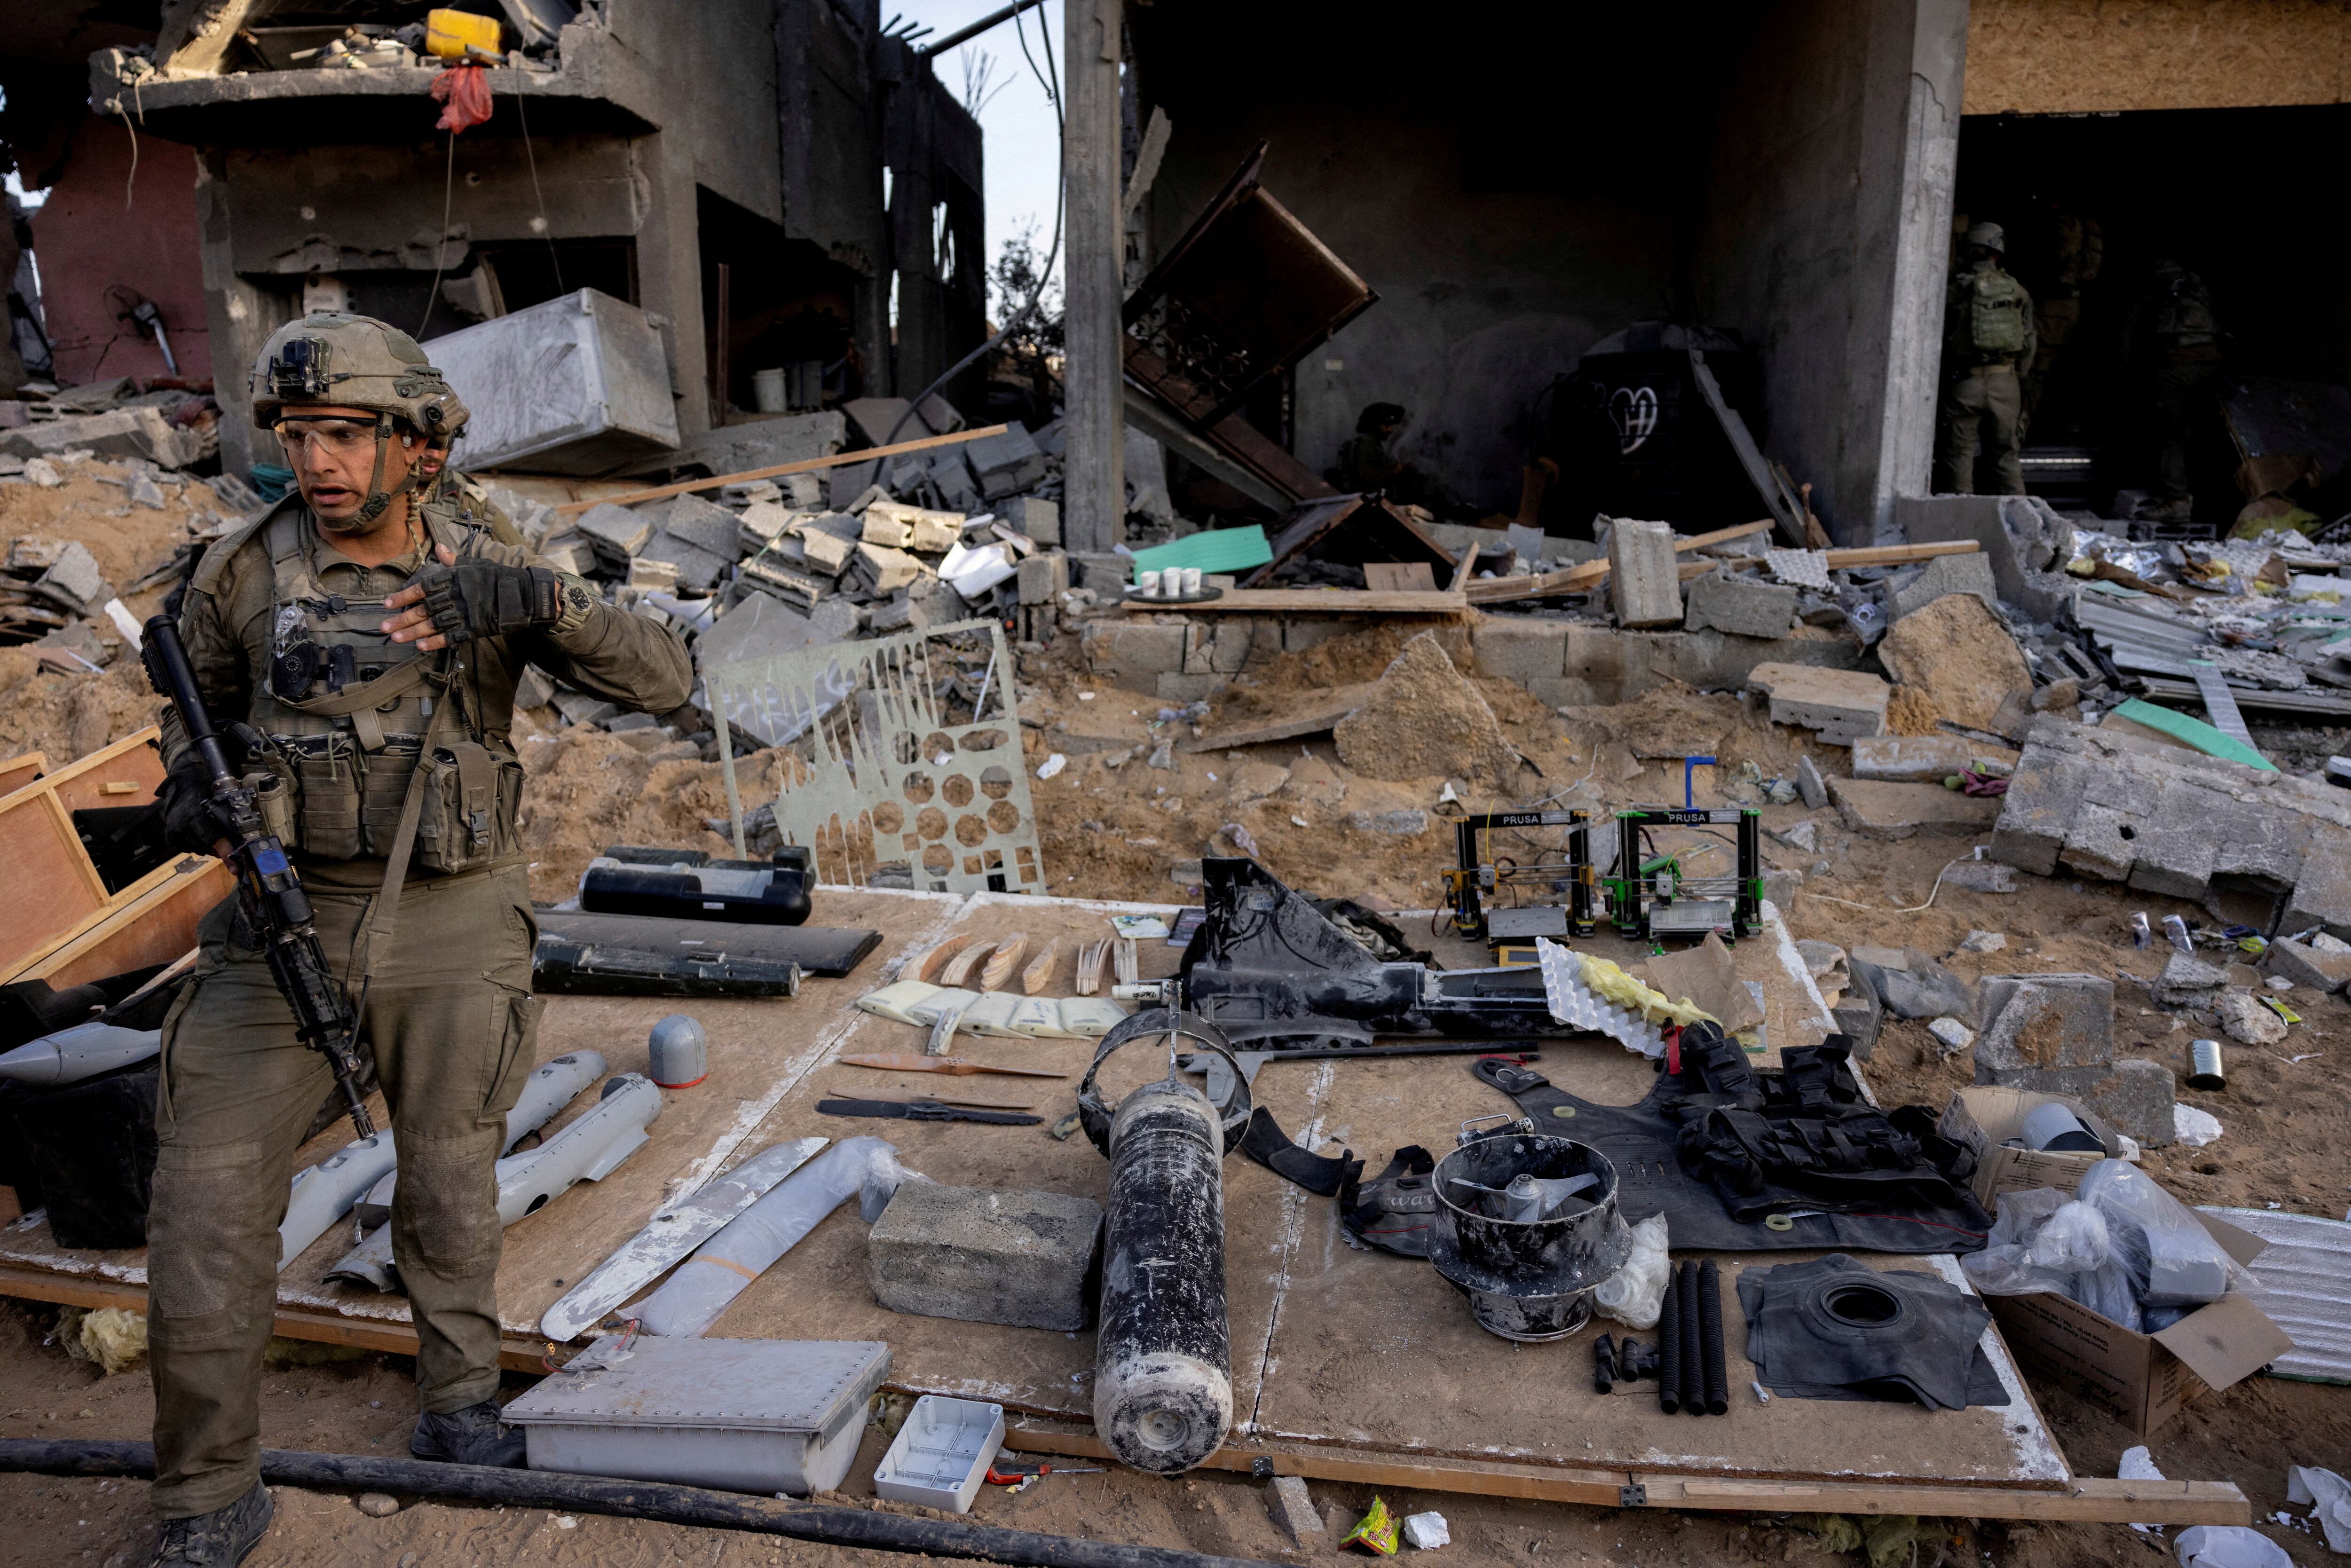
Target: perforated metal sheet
x,y
881,774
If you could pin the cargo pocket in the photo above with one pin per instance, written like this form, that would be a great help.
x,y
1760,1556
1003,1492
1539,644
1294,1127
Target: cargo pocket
x,y
459,829
205,1202
514,1018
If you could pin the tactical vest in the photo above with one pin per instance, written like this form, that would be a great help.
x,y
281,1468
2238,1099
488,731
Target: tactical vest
x,y
1995,324
2183,313
348,713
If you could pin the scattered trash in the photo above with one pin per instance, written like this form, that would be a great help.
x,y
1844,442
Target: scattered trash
x,y
1051,766
1376,1532
2230,1546
2329,1498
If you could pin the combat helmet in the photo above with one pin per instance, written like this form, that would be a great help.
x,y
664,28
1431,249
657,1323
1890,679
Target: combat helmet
x,y
341,359
1992,236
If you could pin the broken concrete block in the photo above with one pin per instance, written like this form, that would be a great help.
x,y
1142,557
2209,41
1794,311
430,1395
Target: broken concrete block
x,y
1952,1034
759,627
2322,896
1007,464
1039,519
1407,823
645,572
2135,1097
2101,841
568,552
1948,574
891,570
534,689
1742,604
692,569
951,476
1810,785
1287,1498
706,527
1136,651
2035,813
899,613
1644,574
1919,988
75,576
616,532
1959,657
2173,849
1841,705
829,542
1016,1257
1217,645
761,524
938,602
1881,810
2053,1034
135,433
1927,759
1519,648
1043,578
1859,1018
578,707
2261,844
1980,876
883,526
2188,981
2307,966
2245,1020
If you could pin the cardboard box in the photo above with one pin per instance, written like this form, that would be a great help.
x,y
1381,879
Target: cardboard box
x,y
2144,1380
1984,1118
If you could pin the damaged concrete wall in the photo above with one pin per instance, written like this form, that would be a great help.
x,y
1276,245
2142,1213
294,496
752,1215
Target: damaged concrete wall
x,y
1823,239
88,242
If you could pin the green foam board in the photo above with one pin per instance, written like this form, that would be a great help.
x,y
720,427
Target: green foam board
x,y
2195,732
1214,549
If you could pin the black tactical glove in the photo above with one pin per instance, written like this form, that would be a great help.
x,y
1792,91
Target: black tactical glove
x,y
193,819
482,598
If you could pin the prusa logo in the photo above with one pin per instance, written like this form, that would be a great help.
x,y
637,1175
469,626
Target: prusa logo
x,y
1634,411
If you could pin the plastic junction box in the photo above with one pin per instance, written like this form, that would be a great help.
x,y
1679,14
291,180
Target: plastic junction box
x,y
741,1415
941,1455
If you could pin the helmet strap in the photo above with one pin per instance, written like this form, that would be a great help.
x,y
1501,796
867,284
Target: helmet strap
x,y
379,498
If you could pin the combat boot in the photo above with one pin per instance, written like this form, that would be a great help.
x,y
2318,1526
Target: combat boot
x,y
221,1539
473,1436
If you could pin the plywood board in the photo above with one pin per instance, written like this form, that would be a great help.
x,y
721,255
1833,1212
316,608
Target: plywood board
x,y
2075,56
153,921
126,773
53,890
19,771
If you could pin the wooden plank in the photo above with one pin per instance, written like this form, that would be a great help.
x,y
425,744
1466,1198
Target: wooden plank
x,y
516,1353
1592,574
805,465
54,892
2171,692
1399,577
1317,601
2085,1501
1896,555
153,921
1326,709
19,771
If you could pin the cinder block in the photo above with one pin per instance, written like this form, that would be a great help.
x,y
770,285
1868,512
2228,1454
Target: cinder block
x,y
2188,981
1044,576
1297,637
1925,758
534,689
2175,848
1133,647
1841,705
1519,648
1743,605
1883,810
615,532
1039,519
1105,572
1182,688
2045,1030
2305,965
2100,841
2044,793
1292,1507
705,525
1644,578
698,571
1218,644
1596,656
2264,841
981,1256
1858,1019
2136,1097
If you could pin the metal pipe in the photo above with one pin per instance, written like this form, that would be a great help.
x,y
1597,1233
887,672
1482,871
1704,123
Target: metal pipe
x,y
965,35
667,1504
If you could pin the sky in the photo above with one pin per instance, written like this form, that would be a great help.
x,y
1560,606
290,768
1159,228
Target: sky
x,y
1023,150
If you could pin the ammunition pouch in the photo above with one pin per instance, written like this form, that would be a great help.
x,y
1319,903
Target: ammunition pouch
x,y
472,797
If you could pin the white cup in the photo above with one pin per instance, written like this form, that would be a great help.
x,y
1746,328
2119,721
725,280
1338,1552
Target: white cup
x,y
1148,584
1191,582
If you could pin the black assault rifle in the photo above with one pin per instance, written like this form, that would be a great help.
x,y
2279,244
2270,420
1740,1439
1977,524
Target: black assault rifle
x,y
274,904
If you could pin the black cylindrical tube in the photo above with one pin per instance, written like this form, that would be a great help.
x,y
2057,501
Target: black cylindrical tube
x,y
832,1526
1669,1351
1163,1356
1710,1329
1603,1364
1693,1356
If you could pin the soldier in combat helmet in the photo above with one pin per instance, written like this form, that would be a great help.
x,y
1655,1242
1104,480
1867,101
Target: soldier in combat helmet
x,y
368,646
1988,343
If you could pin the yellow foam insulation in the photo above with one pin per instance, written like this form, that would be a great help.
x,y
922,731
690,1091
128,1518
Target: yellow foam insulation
x,y
113,1337
1622,988
2093,57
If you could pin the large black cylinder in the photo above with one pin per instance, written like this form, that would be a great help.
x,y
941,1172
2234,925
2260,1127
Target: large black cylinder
x,y
1163,1364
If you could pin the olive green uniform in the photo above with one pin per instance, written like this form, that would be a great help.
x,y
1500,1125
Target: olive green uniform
x,y
462,499
449,1010
1988,342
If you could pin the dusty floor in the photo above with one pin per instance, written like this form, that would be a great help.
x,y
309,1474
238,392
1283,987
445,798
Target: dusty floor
x,y
1113,826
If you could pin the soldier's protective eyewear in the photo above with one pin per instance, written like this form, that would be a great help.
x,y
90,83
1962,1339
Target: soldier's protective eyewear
x,y
333,437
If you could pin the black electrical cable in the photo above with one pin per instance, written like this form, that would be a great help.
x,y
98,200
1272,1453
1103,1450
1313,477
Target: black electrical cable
x,y
1709,1327
1693,1356
828,1525
1669,1350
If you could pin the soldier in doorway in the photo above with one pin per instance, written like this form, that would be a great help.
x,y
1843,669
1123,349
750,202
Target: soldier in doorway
x,y
1988,343
2078,249
2175,343
1365,462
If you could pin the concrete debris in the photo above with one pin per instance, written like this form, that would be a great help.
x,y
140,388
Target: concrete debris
x,y
2246,1021
1913,986
73,581
1018,1258
1810,785
1957,653
2053,1034
1881,810
2305,964
1983,942
2188,981
143,433
1927,759
1644,574
1954,1036
1292,1507
1407,823
1423,720
1947,574
1843,706
1746,606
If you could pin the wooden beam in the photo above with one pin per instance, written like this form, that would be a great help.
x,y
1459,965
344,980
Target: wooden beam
x,y
1316,602
1326,710
315,1327
805,466
2085,1500
1896,555
1592,574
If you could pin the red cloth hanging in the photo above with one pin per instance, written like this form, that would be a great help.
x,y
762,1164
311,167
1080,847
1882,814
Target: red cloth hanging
x,y
464,94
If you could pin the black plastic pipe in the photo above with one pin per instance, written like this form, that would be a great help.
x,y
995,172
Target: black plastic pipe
x,y
828,1525
1603,1364
1669,1348
1709,1327
1693,1351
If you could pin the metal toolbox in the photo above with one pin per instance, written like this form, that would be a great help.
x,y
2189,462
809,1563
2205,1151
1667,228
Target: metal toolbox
x,y
742,1415
579,384
942,1453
